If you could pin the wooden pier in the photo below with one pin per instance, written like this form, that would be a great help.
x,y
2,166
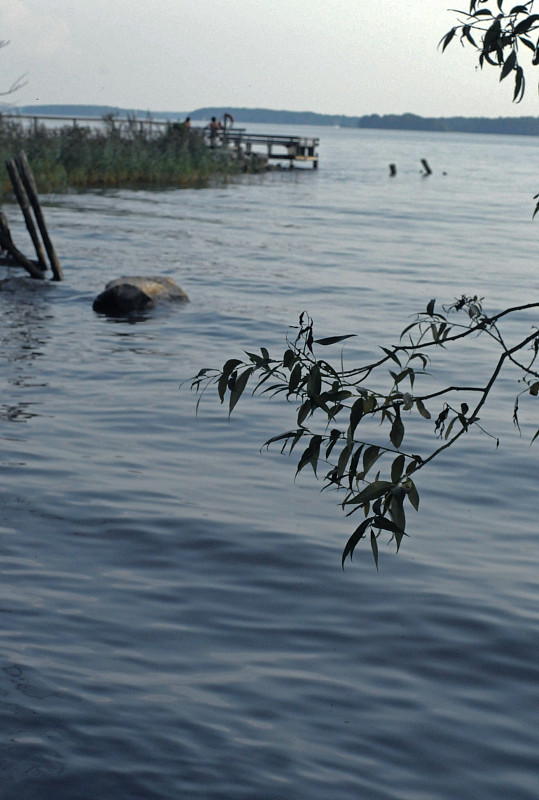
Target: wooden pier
x,y
281,148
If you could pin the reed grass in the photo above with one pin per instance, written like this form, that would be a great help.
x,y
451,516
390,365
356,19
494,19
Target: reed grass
x,y
77,157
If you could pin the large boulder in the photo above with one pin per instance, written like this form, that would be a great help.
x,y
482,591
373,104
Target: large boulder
x,y
130,294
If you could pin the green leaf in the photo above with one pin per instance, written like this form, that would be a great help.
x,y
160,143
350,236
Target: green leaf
x,y
358,534
422,410
397,468
466,33
333,437
226,372
353,465
509,65
525,24
239,386
534,388
412,493
314,381
336,397
333,339
385,524
447,38
295,377
343,459
404,374
430,307
299,434
311,454
280,437
289,359
396,507
304,411
356,412
370,456
397,432
492,34
374,547
520,85
527,43
391,353
371,492
414,464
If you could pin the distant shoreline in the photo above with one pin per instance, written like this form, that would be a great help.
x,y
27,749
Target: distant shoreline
x,y
518,126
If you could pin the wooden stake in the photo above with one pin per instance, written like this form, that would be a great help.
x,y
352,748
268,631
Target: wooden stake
x,y
6,243
30,185
22,198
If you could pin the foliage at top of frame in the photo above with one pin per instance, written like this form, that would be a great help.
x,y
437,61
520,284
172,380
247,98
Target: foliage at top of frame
x,y
500,32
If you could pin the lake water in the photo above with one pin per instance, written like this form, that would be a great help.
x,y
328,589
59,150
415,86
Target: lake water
x,y
174,620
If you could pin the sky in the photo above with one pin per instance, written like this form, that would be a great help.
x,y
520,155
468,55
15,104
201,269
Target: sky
x,y
352,57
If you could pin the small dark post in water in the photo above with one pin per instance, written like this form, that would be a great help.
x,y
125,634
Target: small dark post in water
x,y
426,167
392,170
30,185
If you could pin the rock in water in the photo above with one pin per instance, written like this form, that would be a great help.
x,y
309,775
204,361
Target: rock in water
x,y
129,294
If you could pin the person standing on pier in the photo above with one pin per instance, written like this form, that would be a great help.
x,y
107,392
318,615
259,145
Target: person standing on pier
x,y
214,127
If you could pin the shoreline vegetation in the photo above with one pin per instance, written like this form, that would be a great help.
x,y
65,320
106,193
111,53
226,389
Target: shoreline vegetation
x,y
518,126
105,157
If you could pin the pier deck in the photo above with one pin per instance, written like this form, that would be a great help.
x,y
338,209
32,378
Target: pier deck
x,y
282,148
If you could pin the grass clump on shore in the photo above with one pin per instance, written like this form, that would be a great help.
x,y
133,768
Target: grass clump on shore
x,y
74,156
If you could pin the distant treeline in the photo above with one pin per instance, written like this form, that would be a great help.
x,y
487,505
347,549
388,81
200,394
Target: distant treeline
x,y
523,126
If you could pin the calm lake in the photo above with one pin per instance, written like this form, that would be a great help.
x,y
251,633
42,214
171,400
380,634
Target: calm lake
x,y
174,619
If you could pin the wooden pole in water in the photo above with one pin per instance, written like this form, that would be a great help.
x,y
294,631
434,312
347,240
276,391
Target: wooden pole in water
x,y
22,199
30,185
6,243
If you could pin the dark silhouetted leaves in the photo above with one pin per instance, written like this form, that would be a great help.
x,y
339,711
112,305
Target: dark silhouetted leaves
x,y
344,415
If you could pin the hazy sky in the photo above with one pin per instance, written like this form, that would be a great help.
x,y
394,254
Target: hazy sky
x,y
332,56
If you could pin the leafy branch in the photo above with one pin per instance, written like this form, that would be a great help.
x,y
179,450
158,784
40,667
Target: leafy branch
x,y
499,36
359,424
